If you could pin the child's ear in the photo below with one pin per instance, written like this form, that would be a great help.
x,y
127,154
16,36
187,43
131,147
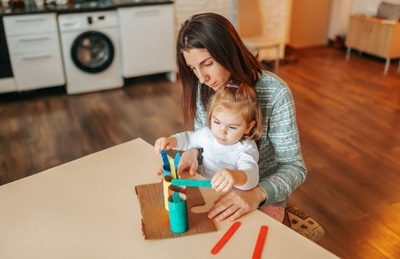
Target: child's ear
x,y
251,125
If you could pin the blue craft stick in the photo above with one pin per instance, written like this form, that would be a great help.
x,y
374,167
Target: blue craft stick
x,y
165,171
191,182
176,163
165,160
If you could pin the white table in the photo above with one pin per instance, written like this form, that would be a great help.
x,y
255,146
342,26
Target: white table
x,y
88,208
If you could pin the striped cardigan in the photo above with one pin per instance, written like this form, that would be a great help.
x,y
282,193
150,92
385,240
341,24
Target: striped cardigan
x,y
282,168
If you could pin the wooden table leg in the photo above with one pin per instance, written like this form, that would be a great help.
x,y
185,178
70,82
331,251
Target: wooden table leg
x,y
348,53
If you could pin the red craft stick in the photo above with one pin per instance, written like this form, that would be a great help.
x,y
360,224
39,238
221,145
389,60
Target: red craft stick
x,y
225,237
262,235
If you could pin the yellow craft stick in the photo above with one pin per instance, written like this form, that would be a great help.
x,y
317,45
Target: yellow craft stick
x,y
173,172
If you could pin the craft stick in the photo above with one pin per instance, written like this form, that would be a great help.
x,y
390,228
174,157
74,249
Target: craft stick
x,y
191,182
173,172
175,197
165,160
262,235
165,171
228,234
176,163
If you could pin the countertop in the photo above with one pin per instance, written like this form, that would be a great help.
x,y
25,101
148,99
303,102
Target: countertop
x,y
78,7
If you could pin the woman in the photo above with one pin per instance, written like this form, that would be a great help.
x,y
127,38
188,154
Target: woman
x,y
209,54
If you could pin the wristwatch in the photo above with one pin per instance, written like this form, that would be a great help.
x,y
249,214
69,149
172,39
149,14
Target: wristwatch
x,y
200,159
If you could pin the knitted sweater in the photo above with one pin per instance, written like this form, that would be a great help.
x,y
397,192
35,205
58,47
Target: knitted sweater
x,y
281,164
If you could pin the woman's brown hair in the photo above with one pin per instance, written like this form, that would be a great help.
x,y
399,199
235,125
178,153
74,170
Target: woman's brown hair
x,y
216,34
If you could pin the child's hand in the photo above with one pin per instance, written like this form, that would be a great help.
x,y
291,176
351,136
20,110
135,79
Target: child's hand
x,y
223,181
164,143
188,161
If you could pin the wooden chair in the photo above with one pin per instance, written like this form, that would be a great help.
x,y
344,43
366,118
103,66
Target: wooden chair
x,y
251,29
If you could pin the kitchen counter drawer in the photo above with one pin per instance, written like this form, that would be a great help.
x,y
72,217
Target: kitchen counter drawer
x,y
29,24
7,85
42,69
28,44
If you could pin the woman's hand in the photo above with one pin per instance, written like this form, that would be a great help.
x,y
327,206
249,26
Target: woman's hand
x,y
236,203
188,161
164,143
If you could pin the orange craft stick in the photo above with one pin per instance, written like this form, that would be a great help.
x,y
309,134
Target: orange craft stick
x,y
229,233
262,235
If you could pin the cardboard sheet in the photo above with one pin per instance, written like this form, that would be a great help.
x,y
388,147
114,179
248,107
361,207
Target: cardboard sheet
x,y
155,219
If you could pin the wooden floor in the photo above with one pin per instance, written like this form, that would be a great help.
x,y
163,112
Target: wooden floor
x,y
348,115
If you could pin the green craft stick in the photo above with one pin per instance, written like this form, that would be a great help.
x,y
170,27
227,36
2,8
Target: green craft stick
x,y
191,182
175,197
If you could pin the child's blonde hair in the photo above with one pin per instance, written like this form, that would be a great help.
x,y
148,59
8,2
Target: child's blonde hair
x,y
241,100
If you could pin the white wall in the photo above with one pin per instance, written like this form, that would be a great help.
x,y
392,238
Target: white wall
x,y
186,8
339,18
342,9
276,14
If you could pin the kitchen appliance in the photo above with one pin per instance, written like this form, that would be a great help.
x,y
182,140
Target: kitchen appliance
x,y
147,39
7,83
91,51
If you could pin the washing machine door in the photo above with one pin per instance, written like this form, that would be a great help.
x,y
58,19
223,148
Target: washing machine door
x,y
92,51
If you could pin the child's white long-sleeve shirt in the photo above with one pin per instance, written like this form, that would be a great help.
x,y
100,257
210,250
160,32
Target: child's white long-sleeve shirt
x,y
240,156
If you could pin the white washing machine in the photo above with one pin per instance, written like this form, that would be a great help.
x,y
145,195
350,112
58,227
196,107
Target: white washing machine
x,y
90,51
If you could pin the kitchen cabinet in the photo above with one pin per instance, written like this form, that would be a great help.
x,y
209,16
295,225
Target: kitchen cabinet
x,y
147,40
374,36
34,50
7,85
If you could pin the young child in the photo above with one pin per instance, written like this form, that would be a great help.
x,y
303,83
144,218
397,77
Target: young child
x,y
230,153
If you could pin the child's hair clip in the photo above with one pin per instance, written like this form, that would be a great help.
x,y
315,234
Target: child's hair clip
x,y
232,85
